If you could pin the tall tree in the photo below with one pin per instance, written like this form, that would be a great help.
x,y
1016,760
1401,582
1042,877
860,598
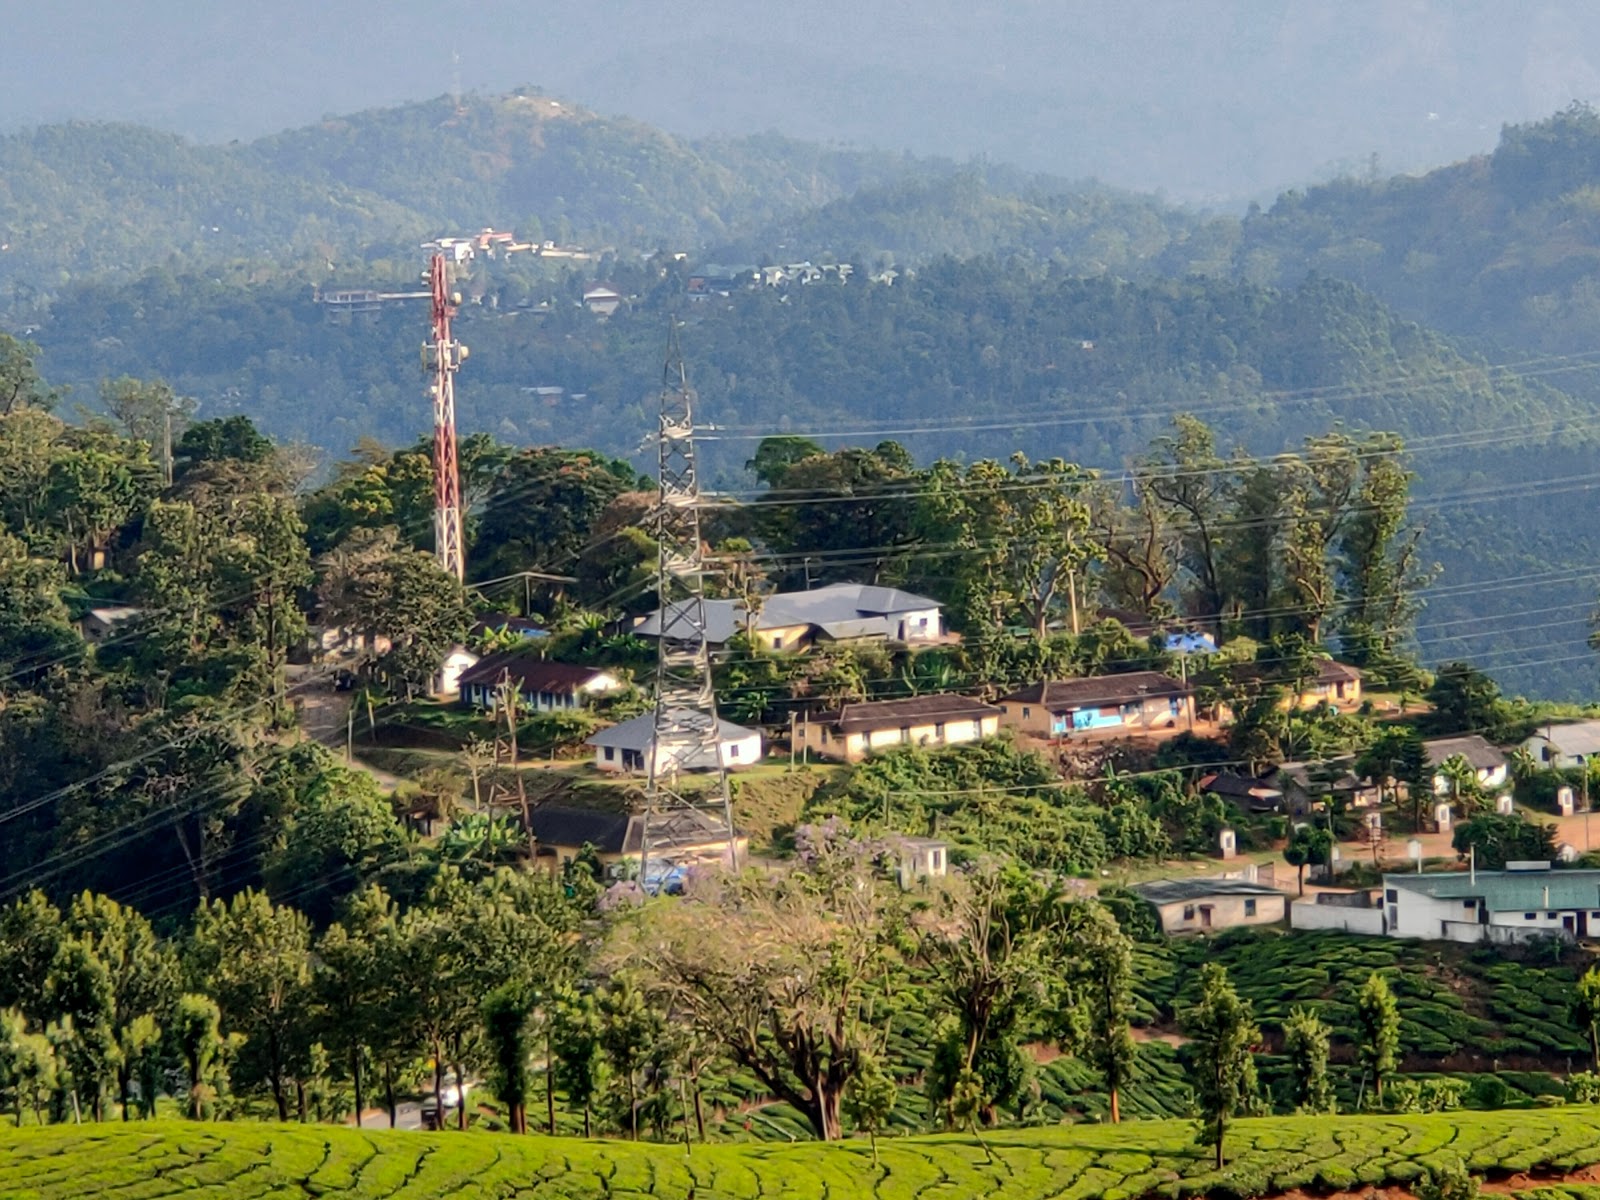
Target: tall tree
x,y
1223,1034
21,385
1099,977
255,959
787,987
580,1058
1377,1033
506,1016
1378,557
1025,534
1318,489
352,985
986,941
151,412
1305,1044
1184,474
197,1033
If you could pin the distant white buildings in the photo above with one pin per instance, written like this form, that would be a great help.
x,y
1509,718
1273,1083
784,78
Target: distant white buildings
x,y
1560,747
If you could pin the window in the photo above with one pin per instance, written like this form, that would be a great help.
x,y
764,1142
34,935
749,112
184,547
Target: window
x,y
1549,916
1469,904
936,860
777,642
977,729
1544,753
1026,713
1392,896
938,730
1249,908
611,754
1530,916
733,749
1188,912
905,733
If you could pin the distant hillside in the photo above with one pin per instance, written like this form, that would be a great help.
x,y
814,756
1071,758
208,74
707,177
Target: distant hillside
x,y
82,198
1504,247
998,211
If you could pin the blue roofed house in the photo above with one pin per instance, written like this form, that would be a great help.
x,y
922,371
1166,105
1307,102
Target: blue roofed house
x,y
1134,702
839,612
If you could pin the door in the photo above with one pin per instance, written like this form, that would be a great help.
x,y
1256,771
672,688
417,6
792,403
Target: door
x,y
1205,916
1569,923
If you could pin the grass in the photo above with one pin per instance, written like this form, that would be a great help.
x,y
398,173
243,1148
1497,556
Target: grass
x,y
1270,1156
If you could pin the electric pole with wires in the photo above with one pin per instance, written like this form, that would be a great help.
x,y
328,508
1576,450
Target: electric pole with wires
x,y
686,729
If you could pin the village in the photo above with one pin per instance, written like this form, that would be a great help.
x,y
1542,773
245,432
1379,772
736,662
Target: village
x,y
1411,879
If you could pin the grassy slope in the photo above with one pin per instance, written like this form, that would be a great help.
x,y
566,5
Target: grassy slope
x,y
1065,1163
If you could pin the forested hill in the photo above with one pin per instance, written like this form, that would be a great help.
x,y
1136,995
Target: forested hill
x,y
1504,247
964,357
81,199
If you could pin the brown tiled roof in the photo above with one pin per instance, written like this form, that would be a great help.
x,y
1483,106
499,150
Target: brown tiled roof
x,y
1329,671
530,672
917,710
1061,695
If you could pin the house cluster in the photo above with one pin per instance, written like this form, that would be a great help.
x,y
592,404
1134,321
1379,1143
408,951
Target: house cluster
x,y
495,243
716,281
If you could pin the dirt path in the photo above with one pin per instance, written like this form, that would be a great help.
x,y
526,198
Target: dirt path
x,y
324,718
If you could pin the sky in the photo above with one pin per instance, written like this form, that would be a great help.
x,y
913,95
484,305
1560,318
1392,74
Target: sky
x,y
1204,100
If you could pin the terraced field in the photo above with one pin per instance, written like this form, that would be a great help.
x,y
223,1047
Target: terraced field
x,y
1541,1152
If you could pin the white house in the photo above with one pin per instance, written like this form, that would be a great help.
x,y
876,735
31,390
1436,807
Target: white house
x,y
602,299
542,685
1525,901
626,747
838,612
1559,747
100,623
1484,759
457,661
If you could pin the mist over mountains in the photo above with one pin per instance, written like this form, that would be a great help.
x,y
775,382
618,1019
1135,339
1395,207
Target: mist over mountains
x,y
1219,101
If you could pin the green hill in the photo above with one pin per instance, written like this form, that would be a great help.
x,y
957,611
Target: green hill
x,y
1504,246
1535,1148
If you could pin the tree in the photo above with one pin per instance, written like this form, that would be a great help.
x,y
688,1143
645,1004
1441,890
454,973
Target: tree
x,y
1099,979
1185,476
1494,839
1464,700
1309,845
544,507
82,997
337,834
21,385
31,934
351,985
787,985
628,1030
580,1059
219,439
142,973
150,411
505,1023
1378,558
1585,1010
985,942
1305,1044
1222,1033
197,1033
870,1100
775,455
1377,1033
254,958
1025,533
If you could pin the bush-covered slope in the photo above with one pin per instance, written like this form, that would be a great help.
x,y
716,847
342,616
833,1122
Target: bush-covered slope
x,y
1157,1158
1505,247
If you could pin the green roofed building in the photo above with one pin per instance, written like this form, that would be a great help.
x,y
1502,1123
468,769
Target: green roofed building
x,y
1524,902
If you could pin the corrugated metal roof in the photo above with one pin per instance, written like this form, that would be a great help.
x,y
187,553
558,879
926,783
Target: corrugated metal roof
x,y
1508,891
1175,891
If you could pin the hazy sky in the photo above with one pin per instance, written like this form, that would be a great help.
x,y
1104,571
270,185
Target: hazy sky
x,y
1204,98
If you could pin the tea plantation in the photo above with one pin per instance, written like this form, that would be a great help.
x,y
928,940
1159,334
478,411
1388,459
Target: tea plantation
x,y
1536,1150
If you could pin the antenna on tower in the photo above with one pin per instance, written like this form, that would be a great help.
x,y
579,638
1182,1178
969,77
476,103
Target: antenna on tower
x,y
444,356
686,729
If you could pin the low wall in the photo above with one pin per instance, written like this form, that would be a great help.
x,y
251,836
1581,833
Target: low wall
x,y
1306,914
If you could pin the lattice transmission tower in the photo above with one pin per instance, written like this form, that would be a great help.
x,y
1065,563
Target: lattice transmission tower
x,y
443,356
686,725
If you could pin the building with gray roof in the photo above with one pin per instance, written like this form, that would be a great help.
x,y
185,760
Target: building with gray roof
x,y
793,620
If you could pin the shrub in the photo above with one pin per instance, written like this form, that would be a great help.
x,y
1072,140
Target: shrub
x,y
1448,1183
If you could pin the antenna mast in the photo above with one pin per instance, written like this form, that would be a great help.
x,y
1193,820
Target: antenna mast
x,y
444,356
686,725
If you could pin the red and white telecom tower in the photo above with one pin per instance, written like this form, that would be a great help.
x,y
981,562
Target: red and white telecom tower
x,y
444,356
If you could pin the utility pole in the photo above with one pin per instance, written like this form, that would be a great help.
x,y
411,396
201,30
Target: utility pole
x,y
508,696
686,729
444,356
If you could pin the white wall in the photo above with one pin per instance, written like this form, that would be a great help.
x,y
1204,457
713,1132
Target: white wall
x,y
910,631
1307,914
